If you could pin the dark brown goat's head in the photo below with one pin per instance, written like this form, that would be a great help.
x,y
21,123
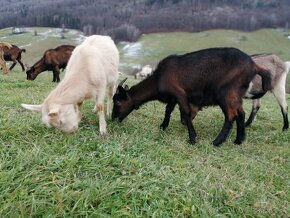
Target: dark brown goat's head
x,y
123,104
30,73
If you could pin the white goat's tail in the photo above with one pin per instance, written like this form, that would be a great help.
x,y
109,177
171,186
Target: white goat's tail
x,y
287,63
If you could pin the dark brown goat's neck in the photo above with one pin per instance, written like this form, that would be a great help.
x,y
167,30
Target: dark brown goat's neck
x,y
39,66
144,91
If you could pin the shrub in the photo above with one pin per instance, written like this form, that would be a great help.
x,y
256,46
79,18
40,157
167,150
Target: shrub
x,y
125,32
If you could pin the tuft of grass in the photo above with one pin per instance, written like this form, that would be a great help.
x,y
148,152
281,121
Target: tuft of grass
x,y
137,170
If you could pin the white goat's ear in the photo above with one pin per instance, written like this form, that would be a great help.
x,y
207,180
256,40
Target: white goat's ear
x,y
53,112
32,107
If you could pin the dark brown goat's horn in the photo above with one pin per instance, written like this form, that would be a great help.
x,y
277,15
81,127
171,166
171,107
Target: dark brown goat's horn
x,y
122,82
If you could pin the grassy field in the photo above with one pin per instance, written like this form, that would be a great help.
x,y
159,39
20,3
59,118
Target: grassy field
x,y
153,47
35,46
137,170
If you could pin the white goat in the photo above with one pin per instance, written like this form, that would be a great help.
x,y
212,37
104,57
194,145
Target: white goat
x,y
278,71
92,68
144,72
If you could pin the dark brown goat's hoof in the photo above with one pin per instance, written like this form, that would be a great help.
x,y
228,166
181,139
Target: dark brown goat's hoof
x,y
192,142
163,126
238,141
216,143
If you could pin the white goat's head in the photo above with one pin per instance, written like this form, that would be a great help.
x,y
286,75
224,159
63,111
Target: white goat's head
x,y
64,117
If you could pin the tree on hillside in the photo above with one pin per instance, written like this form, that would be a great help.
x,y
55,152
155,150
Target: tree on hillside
x,y
126,18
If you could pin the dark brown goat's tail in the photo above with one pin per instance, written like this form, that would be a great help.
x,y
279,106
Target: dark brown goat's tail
x,y
24,50
266,78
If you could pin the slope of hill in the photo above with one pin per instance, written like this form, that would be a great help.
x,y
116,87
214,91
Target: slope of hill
x,y
126,19
46,38
151,48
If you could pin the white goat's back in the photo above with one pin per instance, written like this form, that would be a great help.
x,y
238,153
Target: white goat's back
x,y
109,54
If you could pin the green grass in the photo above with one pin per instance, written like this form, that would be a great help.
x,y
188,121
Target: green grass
x,y
137,170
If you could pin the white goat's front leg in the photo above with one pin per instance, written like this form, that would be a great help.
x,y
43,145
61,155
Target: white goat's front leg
x,y
111,89
99,107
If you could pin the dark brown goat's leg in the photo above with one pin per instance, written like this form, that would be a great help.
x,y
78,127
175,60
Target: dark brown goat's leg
x,y
54,76
21,64
168,110
56,73
185,111
223,133
13,65
230,110
193,112
241,133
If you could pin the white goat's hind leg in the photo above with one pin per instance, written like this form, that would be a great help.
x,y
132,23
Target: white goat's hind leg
x,y
280,94
255,108
111,89
99,107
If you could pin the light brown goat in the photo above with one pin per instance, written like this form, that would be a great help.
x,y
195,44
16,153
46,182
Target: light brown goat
x,y
3,45
278,71
13,53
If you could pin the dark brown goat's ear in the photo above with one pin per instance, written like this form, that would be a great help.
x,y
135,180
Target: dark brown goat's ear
x,y
122,82
126,87
122,93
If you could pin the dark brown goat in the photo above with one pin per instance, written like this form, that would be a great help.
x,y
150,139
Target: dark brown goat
x,y
54,60
277,70
217,76
14,54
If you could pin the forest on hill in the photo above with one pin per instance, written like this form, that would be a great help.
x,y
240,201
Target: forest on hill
x,y
127,19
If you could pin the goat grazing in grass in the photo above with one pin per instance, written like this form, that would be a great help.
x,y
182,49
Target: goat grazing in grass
x,y
217,76
3,45
53,59
92,68
14,54
278,71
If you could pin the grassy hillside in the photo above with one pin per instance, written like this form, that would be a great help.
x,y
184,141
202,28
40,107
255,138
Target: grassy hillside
x,y
46,38
157,45
137,170
151,48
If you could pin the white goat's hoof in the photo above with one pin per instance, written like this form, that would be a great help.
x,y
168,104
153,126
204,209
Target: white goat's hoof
x,y
103,132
